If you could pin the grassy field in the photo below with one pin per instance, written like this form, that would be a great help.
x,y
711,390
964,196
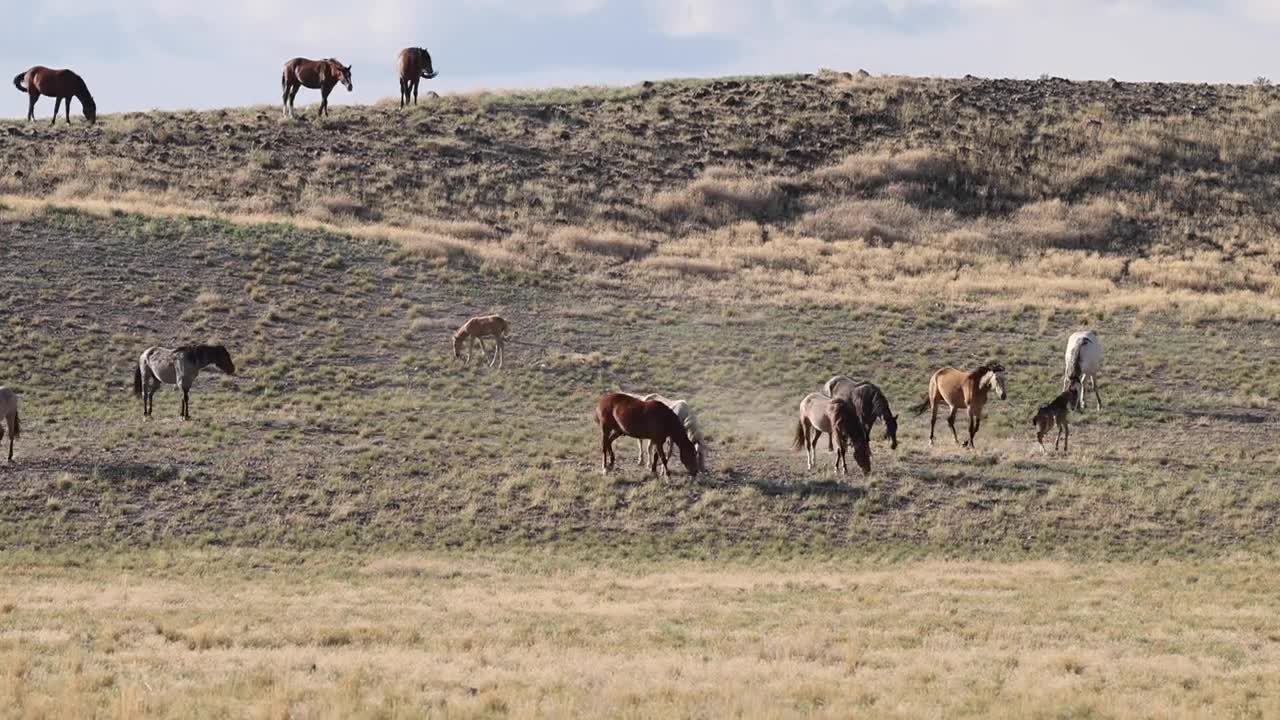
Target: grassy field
x,y
357,521
251,634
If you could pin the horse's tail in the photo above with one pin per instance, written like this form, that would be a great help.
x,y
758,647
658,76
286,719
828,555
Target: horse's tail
x,y
137,380
17,81
797,442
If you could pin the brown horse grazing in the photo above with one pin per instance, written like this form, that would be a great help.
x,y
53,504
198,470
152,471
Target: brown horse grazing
x,y
821,413
315,74
620,414
415,64
962,390
59,85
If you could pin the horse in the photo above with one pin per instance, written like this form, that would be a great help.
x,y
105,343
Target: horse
x,y
620,414
1055,415
688,418
869,402
9,414
962,390
179,366
1083,361
415,64
821,413
315,74
475,330
59,85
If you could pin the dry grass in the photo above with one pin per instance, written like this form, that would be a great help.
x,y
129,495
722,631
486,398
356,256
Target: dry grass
x,y
252,635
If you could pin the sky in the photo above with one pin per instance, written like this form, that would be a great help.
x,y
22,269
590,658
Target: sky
x,y
178,54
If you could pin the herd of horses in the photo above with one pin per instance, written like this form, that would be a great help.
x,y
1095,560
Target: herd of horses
x,y
845,410
413,65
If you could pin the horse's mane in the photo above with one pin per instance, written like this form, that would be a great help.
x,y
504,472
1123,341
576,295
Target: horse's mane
x,y
844,420
982,370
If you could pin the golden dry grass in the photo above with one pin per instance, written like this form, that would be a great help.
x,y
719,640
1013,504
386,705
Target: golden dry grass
x,y
254,635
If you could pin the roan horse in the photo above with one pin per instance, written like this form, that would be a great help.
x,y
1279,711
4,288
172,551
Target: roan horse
x,y
315,74
475,331
59,85
1083,360
161,366
821,413
620,414
9,417
869,402
415,64
962,390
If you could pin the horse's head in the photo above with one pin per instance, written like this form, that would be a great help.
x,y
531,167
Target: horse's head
x,y
222,359
994,379
89,107
458,341
340,72
689,458
428,72
891,430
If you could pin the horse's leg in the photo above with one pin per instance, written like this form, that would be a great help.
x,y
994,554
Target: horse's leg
x,y
1094,380
605,449
933,421
67,110
975,422
32,97
1066,437
640,449
404,92
415,89
57,105
502,351
951,420
324,99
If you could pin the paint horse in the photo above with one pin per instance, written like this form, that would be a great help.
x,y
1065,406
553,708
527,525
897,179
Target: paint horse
x,y
962,390
475,331
322,75
9,417
161,366
414,64
820,413
869,402
58,84
1083,360
620,414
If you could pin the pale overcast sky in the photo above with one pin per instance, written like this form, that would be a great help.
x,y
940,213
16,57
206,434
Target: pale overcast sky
x,y
143,54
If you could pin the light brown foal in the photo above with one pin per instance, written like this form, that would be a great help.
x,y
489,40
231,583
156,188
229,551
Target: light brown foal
x,y
475,330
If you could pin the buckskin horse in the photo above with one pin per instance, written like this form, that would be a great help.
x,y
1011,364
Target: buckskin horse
x,y
962,390
620,414
415,64
58,84
320,75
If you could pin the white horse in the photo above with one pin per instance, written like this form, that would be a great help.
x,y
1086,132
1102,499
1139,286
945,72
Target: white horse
x,y
162,366
688,418
9,416
1083,360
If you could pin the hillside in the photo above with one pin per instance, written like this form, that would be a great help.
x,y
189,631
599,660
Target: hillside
x,y
814,188
734,241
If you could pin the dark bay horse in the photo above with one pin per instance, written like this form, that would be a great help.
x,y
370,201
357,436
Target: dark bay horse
x,y
869,402
161,366
415,64
59,85
620,414
962,390
320,75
